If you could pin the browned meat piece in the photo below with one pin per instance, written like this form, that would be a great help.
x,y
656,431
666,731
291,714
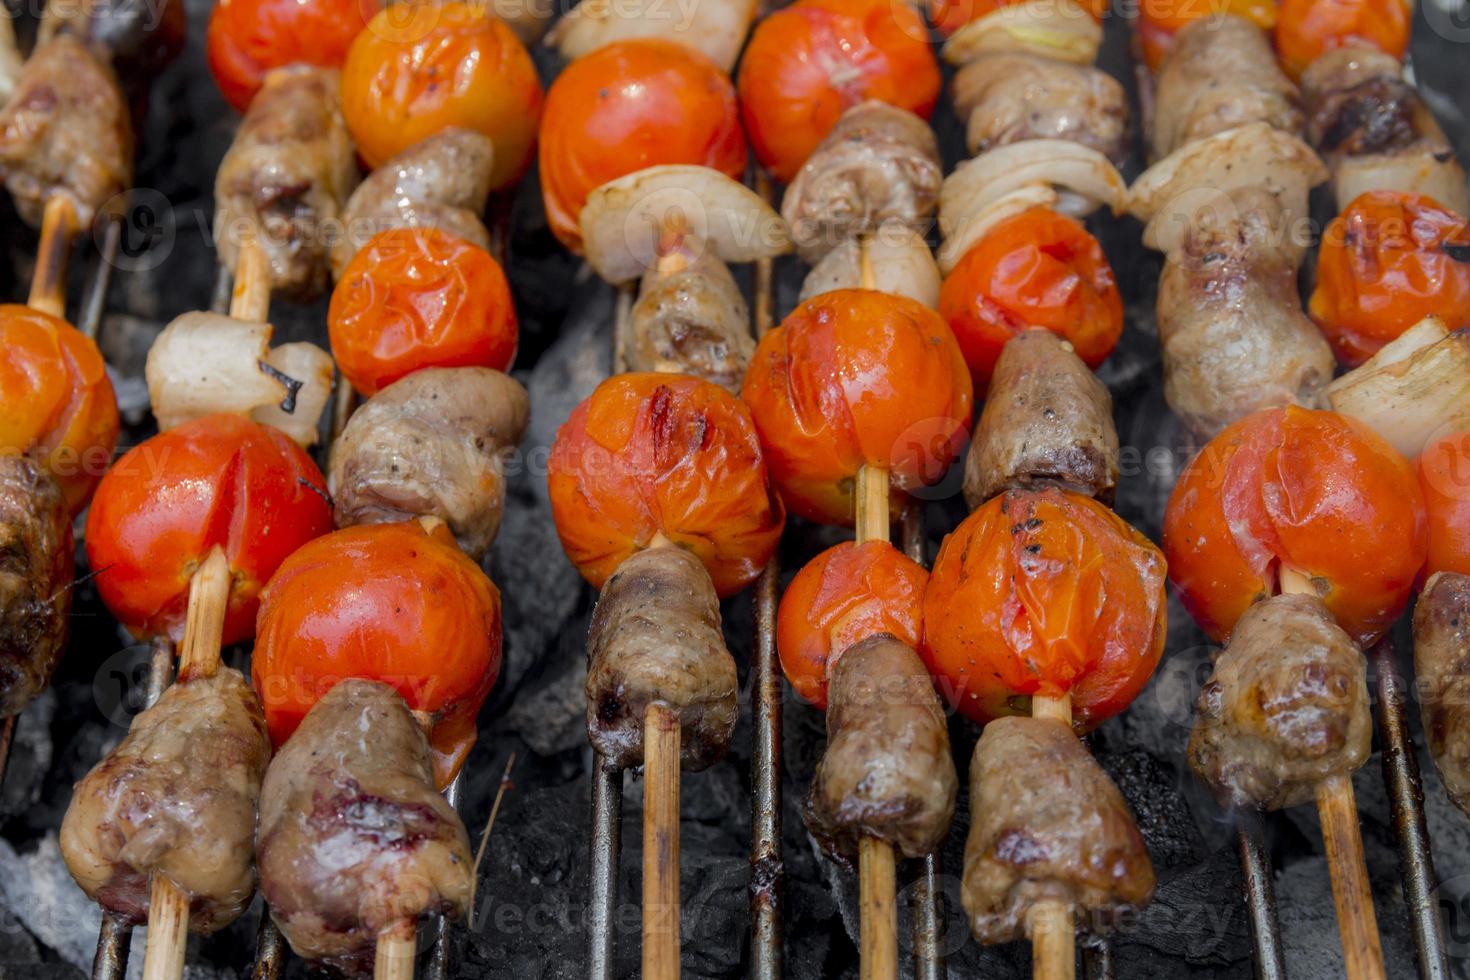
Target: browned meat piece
x,y
285,177
655,639
441,183
1046,825
1442,668
878,165
1231,326
1009,96
887,772
1047,419
353,836
177,798
431,444
691,318
1286,707
36,556
1221,73
66,130
139,37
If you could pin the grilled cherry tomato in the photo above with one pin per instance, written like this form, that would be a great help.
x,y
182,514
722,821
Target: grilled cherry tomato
x,y
649,454
857,378
247,38
395,603
1307,29
1044,592
218,480
419,297
422,67
950,15
59,404
1444,478
1316,492
1390,259
1160,20
627,106
846,594
1033,269
807,63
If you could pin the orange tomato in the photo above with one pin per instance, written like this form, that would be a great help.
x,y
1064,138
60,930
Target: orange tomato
x,y
668,454
59,404
1307,29
627,106
807,63
422,67
1316,492
1444,478
394,603
1390,259
846,594
1034,269
419,297
950,15
1160,20
218,480
857,378
1044,592
247,38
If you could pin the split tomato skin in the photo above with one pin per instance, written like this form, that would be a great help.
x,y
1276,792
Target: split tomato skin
x,y
218,480
1313,491
1444,477
847,593
1044,592
1308,29
396,603
248,38
648,454
627,106
854,378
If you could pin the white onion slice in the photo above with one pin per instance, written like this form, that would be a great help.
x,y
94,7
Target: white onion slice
x,y
900,260
715,29
313,367
975,225
204,363
1057,29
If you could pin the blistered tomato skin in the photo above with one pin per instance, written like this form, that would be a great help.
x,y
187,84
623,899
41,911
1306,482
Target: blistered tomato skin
x,y
649,454
856,378
809,62
218,480
1312,491
1390,259
1044,592
1160,20
420,297
60,408
627,106
247,38
1034,269
1444,478
1307,29
847,593
394,603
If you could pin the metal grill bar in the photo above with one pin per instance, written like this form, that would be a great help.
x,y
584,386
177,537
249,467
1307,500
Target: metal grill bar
x,y
270,949
1260,896
607,830
443,949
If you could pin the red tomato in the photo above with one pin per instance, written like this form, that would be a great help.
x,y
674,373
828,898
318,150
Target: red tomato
x,y
627,106
809,62
394,603
247,38
1390,259
1308,29
1444,478
1034,269
950,15
1044,592
1315,492
420,297
846,594
218,480
1160,20
857,378
649,454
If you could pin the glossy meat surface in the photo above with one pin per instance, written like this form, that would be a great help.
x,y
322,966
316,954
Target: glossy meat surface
x,y
1442,670
693,321
1009,96
36,559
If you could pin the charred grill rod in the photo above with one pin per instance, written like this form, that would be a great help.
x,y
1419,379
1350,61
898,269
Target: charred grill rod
x,y
607,829
1260,896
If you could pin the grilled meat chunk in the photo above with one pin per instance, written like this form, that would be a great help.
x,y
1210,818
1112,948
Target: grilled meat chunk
x,y
1442,667
1046,824
1286,707
285,177
66,130
36,557
431,444
878,165
887,772
441,182
1047,419
1009,96
177,798
655,639
139,37
691,318
353,835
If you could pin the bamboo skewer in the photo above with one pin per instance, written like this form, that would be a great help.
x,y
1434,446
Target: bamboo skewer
x,y
661,912
394,955
48,282
1053,940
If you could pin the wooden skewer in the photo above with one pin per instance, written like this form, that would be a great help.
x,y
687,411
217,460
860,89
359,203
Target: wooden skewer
x,y
1357,923
48,282
251,297
393,958
661,775
1053,940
